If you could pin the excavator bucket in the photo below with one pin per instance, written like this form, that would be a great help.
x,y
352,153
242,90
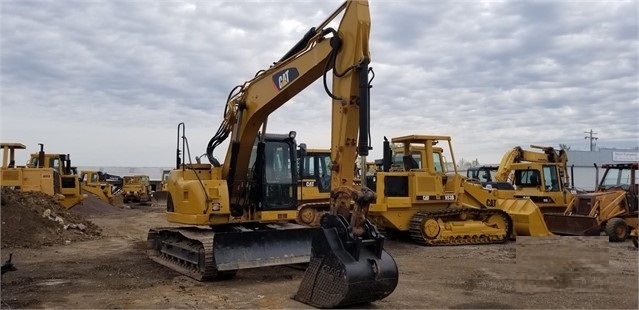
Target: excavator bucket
x,y
527,218
344,269
572,225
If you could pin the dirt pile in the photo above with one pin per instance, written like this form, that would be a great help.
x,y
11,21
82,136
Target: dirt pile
x,y
35,219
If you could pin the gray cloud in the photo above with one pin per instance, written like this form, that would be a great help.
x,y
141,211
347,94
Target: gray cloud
x,y
81,76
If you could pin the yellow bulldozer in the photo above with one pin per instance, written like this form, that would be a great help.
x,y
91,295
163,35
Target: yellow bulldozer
x,y
159,196
136,188
69,179
26,179
94,182
45,172
612,208
440,208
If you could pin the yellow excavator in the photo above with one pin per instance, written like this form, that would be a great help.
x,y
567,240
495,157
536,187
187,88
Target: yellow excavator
x,y
440,208
241,213
541,176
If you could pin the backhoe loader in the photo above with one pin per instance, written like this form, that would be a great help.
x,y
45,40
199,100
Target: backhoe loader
x,y
28,179
241,212
612,208
68,175
437,208
541,176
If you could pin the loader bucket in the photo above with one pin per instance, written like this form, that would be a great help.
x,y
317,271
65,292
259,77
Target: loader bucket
x,y
281,244
527,218
344,269
572,225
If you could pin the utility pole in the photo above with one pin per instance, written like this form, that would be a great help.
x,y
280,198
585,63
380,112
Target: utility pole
x,y
591,137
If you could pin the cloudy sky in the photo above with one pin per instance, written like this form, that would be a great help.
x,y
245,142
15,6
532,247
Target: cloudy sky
x,y
108,81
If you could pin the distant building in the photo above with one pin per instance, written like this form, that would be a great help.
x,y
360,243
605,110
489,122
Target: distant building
x,y
582,164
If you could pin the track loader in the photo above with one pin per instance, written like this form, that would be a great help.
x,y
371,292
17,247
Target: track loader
x,y
314,185
612,208
240,213
438,208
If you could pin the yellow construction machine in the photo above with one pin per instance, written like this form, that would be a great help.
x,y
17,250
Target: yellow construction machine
x,y
93,182
439,208
136,188
68,175
159,196
542,176
26,179
241,213
314,185
612,208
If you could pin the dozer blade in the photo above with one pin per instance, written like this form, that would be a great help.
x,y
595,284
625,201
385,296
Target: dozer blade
x,y
572,225
159,198
277,244
344,269
527,218
205,254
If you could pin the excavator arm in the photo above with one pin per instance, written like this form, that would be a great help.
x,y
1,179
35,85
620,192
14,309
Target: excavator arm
x,y
346,52
518,155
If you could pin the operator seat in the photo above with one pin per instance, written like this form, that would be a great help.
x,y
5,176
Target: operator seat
x,y
534,179
410,163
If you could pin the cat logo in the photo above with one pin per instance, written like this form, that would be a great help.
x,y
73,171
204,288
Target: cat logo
x,y
285,77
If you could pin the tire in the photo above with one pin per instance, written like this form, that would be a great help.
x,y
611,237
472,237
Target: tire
x,y
617,230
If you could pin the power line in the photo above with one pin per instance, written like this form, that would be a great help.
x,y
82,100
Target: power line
x,y
592,138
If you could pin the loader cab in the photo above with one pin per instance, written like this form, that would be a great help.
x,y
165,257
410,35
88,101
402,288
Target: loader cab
x,y
314,169
623,177
274,176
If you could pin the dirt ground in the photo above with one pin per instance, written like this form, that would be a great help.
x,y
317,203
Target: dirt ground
x,y
111,270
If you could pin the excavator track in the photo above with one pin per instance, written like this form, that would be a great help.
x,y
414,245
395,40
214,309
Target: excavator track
x,y
187,250
442,227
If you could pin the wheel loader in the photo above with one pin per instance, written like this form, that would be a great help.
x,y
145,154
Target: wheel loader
x,y
240,213
439,208
612,208
27,179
